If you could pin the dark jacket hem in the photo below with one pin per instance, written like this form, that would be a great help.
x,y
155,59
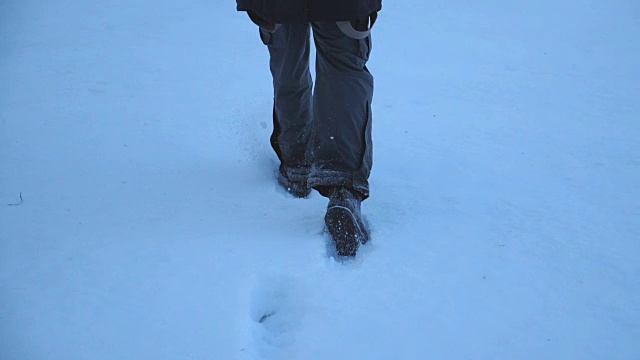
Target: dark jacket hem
x,y
317,13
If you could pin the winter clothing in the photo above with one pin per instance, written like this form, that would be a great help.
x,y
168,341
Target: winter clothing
x,y
301,11
294,181
327,133
322,134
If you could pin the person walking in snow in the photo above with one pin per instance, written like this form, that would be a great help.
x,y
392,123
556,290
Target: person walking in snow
x,y
322,137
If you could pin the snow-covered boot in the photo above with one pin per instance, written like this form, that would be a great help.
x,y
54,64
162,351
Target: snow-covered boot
x,y
344,222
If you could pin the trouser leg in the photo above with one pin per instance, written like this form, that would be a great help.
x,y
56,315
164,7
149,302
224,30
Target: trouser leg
x,y
289,48
342,146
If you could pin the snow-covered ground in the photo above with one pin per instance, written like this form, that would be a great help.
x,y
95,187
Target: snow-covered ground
x,y
505,199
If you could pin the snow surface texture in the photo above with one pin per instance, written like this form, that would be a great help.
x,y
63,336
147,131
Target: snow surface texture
x,y
505,191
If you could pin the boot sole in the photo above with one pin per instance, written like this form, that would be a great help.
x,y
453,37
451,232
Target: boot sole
x,y
344,230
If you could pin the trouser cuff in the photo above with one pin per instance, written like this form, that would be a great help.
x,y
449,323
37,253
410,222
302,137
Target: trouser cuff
x,y
324,181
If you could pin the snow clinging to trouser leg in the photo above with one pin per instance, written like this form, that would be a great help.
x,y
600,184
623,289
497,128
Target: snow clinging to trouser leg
x,y
329,132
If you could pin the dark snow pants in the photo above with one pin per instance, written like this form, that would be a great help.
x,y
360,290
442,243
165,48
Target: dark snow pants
x,y
323,136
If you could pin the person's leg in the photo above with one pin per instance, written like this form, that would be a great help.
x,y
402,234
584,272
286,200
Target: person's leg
x,y
342,130
289,47
342,98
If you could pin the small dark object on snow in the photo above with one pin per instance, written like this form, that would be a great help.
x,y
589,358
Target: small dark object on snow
x,y
19,203
266,316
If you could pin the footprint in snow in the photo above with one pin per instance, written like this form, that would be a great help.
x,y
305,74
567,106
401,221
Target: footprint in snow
x,y
277,311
